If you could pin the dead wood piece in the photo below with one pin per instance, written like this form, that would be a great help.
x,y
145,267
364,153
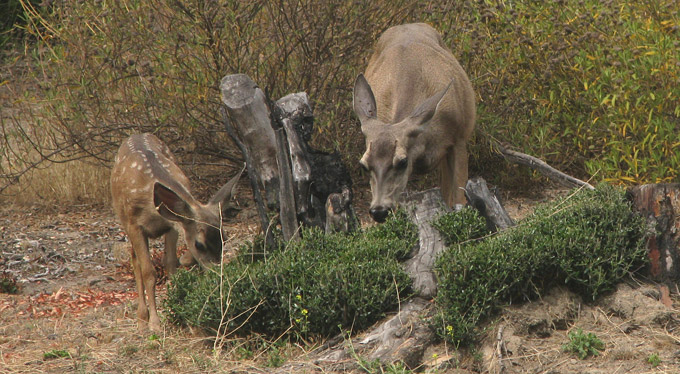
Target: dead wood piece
x,y
423,207
660,205
293,112
288,214
340,216
253,179
249,115
403,337
542,167
487,204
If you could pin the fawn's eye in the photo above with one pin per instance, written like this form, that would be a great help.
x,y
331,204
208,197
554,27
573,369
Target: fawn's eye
x,y
199,246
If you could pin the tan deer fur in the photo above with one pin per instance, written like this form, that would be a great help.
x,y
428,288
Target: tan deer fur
x,y
417,111
151,196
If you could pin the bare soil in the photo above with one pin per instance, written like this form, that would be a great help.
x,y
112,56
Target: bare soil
x,y
74,312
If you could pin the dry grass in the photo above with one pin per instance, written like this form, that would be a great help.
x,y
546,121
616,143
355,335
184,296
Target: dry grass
x,y
107,340
73,183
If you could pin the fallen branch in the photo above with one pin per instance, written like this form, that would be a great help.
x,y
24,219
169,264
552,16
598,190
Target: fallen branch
x,y
542,167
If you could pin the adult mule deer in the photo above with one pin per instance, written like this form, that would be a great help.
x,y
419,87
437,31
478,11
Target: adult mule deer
x,y
150,194
417,111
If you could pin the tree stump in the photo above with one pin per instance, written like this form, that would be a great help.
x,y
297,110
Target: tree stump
x,y
660,205
293,112
250,117
298,181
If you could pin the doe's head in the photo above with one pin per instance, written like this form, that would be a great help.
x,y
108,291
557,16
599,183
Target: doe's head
x,y
390,151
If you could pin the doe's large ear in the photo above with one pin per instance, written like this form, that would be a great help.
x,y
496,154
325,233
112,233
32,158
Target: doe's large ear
x,y
224,194
170,205
424,112
364,101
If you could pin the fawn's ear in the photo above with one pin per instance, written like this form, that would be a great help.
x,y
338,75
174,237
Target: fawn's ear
x,y
226,192
170,205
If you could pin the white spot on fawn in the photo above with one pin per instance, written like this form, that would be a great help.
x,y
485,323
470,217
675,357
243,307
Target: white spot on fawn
x,y
134,165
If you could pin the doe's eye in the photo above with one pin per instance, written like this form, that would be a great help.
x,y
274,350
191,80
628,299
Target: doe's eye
x,y
401,164
363,166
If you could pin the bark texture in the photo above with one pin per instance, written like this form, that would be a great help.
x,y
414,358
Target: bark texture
x,y
660,205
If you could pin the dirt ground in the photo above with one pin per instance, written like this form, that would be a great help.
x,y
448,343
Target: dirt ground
x,y
75,313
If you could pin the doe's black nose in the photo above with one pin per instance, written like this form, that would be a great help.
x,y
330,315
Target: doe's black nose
x,y
379,213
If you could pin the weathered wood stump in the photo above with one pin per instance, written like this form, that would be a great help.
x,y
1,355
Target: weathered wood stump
x,y
296,179
660,205
292,112
250,118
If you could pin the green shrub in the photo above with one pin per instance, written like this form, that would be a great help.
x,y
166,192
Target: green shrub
x,y
309,287
56,353
457,227
583,345
8,283
654,360
588,241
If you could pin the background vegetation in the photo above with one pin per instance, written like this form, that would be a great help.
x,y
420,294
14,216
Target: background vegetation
x,y
595,80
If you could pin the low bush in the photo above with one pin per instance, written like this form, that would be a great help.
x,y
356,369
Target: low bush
x,y
8,283
457,227
309,287
583,345
588,241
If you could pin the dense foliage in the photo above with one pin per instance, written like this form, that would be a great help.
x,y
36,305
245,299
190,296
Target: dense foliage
x,y
460,226
587,241
309,287
596,80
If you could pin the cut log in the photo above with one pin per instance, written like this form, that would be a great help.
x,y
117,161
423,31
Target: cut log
x,y
288,210
250,117
297,180
330,176
423,208
542,167
487,204
252,178
293,113
660,205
